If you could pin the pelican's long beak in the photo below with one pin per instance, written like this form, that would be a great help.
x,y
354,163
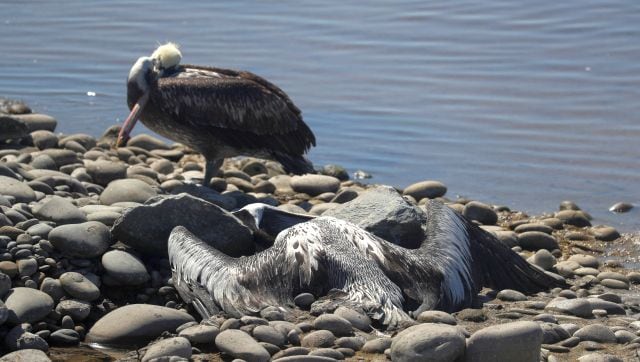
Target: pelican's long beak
x,y
131,120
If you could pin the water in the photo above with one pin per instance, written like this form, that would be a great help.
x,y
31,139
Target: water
x,y
506,102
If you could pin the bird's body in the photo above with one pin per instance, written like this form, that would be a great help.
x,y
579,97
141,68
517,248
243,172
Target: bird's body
x,y
218,112
454,261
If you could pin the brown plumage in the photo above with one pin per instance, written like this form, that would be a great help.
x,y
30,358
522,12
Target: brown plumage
x,y
218,112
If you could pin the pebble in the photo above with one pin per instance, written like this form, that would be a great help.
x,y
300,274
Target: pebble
x,y
59,210
327,352
318,339
544,259
377,345
573,217
124,268
269,334
428,342
580,307
77,309
599,357
79,287
200,333
64,337
136,323
86,240
147,142
314,185
535,240
511,295
480,212
103,172
335,324
16,189
472,315
515,341
239,344
435,316
176,346
584,260
37,121
425,189
354,343
357,320
30,355
596,333
27,267
9,268
27,305
127,190
304,300
534,227
614,284
53,288
621,207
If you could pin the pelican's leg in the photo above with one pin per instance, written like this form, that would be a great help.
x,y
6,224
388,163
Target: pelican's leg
x,y
210,169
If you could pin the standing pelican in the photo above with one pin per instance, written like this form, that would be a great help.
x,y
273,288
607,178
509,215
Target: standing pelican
x,y
218,112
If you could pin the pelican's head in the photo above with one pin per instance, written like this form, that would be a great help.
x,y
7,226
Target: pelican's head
x,y
141,76
167,56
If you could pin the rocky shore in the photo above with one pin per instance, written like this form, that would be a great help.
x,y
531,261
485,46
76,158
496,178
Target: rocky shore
x,y
83,261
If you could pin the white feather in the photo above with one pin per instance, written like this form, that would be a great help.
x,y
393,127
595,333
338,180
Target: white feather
x,y
168,55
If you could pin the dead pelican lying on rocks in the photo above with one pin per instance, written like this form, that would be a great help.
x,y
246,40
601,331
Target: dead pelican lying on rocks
x,y
455,260
218,112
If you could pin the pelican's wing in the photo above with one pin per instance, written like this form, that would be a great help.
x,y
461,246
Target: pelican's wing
x,y
240,102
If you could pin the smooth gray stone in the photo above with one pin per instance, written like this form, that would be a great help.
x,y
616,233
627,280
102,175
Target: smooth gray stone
x,y
224,201
314,184
43,162
200,334
436,316
428,342
327,352
79,287
53,288
127,190
16,189
103,172
176,346
37,121
377,345
318,339
27,305
384,212
4,313
27,267
596,333
64,337
146,228
535,240
40,229
106,217
580,307
147,142
599,357
357,320
26,355
480,212
59,210
573,217
44,139
134,324
239,344
86,240
125,268
425,189
85,140
516,341
77,309
511,295
354,343
269,334
306,359
60,156
333,323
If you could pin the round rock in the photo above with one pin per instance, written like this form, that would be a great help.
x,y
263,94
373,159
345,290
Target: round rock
x,y
134,324
239,344
86,240
131,190
77,309
318,339
200,333
19,190
30,355
425,189
334,323
125,268
26,305
59,210
436,316
535,240
314,184
511,295
79,287
428,342
176,346
480,212
357,320
596,333
517,341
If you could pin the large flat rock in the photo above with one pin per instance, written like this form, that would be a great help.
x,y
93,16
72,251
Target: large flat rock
x,y
135,325
146,228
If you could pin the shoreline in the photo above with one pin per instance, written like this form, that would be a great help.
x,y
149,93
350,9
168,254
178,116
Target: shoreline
x,y
52,184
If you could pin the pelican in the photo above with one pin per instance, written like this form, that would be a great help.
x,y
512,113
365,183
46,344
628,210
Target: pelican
x,y
218,112
453,262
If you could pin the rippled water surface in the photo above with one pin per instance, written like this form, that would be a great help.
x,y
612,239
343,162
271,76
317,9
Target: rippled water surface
x,y
516,103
